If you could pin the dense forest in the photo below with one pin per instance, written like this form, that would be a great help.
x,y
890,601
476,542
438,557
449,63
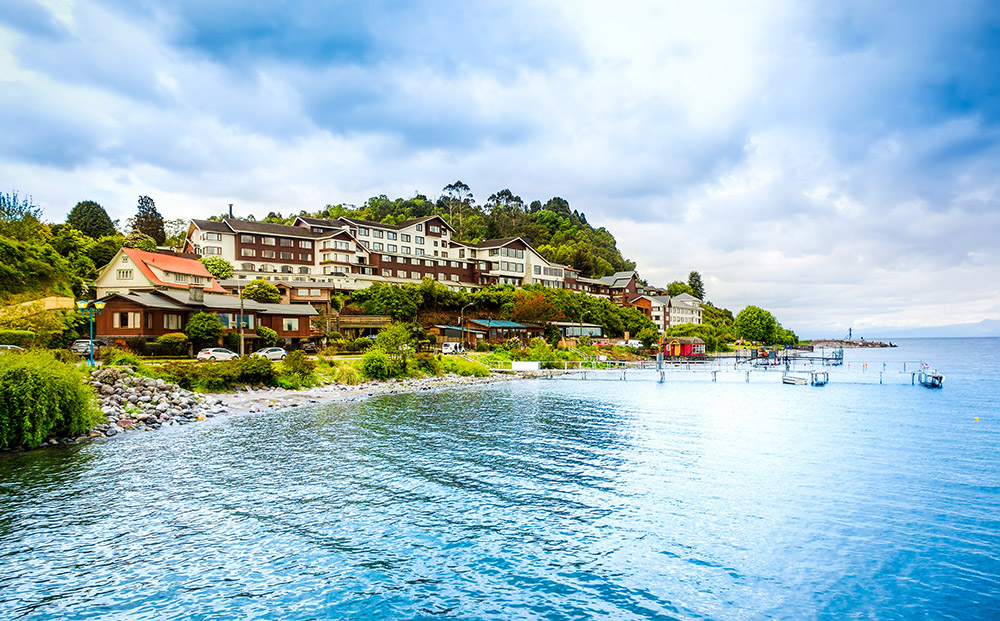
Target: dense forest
x,y
559,233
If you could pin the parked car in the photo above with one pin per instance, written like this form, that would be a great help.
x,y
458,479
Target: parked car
x,y
4,348
217,353
82,346
452,348
310,348
271,353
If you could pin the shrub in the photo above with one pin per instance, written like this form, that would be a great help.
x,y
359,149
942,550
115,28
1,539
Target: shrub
x,y
362,343
296,363
21,338
347,374
483,346
173,344
375,364
231,341
268,336
65,355
428,363
204,329
461,366
112,356
255,370
41,397
335,336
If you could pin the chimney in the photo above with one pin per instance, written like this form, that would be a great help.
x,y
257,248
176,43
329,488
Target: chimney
x,y
230,210
196,293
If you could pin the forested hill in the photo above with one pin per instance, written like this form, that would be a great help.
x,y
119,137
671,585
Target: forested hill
x,y
559,233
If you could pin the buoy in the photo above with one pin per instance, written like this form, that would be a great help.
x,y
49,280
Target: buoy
x,y
977,419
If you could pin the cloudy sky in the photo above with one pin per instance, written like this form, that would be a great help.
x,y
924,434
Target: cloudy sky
x,y
835,163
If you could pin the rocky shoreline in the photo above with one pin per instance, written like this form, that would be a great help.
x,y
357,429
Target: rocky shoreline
x,y
132,403
849,344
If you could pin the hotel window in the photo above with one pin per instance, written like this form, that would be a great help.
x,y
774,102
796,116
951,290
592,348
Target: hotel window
x,y
454,277
404,238
290,324
286,256
415,275
267,268
270,254
390,247
406,250
419,239
434,228
246,239
303,270
342,245
440,276
420,227
287,243
386,258
270,241
124,274
211,236
365,243
429,263
414,261
377,246
453,263
305,256
377,233
461,253
305,244
390,235
435,253
248,267
171,322
400,273
419,251
387,273
211,250
538,269
363,231
444,254
435,243
287,269
248,252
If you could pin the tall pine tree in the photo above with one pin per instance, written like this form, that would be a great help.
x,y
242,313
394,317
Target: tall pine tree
x,y
90,219
697,287
149,221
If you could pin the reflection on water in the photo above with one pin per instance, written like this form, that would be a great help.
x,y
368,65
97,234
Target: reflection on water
x,y
546,498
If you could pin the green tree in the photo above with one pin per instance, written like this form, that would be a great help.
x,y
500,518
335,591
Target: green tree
x,y
260,290
397,341
648,336
139,241
218,267
176,232
204,329
104,249
149,221
756,324
20,219
267,336
677,288
696,286
91,219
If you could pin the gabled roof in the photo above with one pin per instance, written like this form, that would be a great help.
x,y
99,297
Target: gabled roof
x,y
169,262
402,225
458,329
266,228
618,279
496,243
211,301
685,297
212,225
304,310
147,299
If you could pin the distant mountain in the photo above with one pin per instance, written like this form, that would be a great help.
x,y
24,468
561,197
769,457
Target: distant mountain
x,y
986,327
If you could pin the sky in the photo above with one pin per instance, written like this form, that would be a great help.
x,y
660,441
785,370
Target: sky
x,y
836,163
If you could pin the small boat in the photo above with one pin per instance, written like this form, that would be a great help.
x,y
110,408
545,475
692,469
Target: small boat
x,y
931,378
819,378
796,380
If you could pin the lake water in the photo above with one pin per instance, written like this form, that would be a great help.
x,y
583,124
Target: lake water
x,y
536,499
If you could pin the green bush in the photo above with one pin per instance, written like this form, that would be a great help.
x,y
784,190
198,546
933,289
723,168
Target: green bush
x,y
461,366
267,336
41,397
347,374
231,341
375,364
21,338
217,376
255,370
335,336
362,343
296,363
112,356
173,344
428,363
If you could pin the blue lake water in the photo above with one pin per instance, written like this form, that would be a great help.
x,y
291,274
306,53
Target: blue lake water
x,y
538,499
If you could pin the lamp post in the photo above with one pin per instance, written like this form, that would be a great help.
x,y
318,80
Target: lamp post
x,y
461,325
239,291
580,335
91,308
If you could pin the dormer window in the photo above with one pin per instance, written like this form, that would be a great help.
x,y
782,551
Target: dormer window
x,y
124,258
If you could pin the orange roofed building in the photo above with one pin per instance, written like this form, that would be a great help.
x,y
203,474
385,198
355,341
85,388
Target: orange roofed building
x,y
140,270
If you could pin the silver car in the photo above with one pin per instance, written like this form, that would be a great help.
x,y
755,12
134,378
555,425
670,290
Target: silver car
x,y
217,353
271,353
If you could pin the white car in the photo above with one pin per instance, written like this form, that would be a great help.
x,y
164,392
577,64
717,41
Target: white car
x,y
271,353
217,353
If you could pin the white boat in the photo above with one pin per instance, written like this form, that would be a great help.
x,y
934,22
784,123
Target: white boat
x,y
819,378
931,378
796,380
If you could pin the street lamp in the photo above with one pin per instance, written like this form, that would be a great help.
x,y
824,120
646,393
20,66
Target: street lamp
x,y
91,308
461,325
580,335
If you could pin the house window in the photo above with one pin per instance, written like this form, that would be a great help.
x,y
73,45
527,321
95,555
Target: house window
x,y
270,241
390,247
171,322
303,270
180,277
124,258
126,321
246,239
305,244
342,245
211,250
420,227
387,273
305,256
420,251
211,236
434,228
248,252
290,324
415,275
287,243
363,231
124,274
302,292
420,239
286,256
315,293
377,246
538,269
286,269
269,254
377,233
149,321
401,273
454,277
404,238
406,250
